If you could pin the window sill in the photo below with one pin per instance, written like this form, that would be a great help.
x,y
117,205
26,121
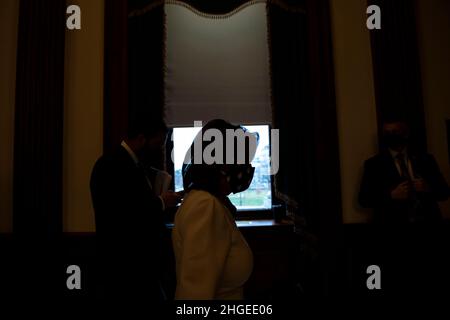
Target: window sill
x,y
262,223
266,223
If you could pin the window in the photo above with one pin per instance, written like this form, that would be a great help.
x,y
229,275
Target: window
x,y
259,195
217,68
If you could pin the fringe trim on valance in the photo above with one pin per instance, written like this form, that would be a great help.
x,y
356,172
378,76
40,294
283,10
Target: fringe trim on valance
x,y
215,16
156,4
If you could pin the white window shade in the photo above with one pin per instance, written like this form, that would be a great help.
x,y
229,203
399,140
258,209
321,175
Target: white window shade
x,y
217,68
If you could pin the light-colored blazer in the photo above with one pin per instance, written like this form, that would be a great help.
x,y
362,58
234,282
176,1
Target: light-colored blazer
x,y
213,260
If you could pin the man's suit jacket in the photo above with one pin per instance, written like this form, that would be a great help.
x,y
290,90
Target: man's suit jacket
x,y
381,177
129,225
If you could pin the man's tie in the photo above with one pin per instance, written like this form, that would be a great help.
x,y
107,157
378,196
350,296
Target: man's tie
x,y
403,167
415,202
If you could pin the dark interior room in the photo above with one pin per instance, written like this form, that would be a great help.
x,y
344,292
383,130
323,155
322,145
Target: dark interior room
x,y
339,188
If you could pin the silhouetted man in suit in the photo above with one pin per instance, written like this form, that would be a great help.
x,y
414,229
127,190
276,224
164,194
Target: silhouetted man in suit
x,y
129,215
402,186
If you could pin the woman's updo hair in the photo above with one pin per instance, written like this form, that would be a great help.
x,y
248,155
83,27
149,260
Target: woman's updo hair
x,y
205,176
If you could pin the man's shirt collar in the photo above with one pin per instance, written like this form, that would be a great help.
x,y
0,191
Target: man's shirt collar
x,y
130,152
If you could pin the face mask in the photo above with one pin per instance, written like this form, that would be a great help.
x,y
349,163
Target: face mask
x,y
240,178
395,140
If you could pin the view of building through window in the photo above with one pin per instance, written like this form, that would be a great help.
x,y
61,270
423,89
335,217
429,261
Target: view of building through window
x,y
259,194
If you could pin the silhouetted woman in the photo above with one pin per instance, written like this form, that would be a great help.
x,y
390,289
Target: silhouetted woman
x,y
213,260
